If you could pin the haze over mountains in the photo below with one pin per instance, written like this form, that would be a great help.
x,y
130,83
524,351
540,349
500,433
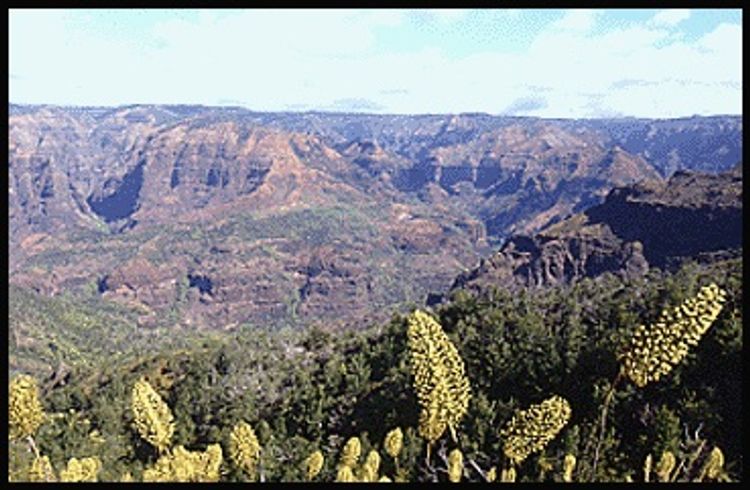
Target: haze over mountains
x,y
217,217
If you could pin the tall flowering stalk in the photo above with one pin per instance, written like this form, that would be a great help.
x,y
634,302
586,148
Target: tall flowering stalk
x,y
713,469
152,417
665,466
569,464
370,468
455,465
345,474
653,351
532,429
244,449
25,413
81,470
313,464
440,382
394,441
41,470
350,453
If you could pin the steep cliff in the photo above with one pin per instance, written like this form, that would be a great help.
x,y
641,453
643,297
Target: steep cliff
x,y
653,223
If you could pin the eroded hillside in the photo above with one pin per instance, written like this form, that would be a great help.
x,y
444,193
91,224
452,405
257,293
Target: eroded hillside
x,y
215,217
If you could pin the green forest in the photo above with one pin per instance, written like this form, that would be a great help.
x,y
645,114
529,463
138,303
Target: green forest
x,y
607,379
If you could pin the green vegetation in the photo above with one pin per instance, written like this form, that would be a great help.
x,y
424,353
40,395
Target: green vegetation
x,y
278,247
322,405
47,333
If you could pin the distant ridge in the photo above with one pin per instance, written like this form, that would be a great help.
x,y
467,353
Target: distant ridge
x,y
692,216
212,217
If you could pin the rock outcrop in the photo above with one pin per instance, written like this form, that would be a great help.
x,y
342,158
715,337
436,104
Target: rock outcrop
x,y
660,224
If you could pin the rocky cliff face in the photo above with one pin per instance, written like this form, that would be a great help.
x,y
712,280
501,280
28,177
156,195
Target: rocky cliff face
x,y
653,223
219,216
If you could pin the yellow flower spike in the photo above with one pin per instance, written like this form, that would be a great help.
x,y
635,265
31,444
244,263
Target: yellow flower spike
x,y
455,465
83,470
313,464
345,474
152,417
647,468
491,475
210,463
433,417
186,466
372,461
244,448
394,441
714,464
350,453
369,470
668,340
25,413
569,464
531,430
665,466
440,382
508,475
41,470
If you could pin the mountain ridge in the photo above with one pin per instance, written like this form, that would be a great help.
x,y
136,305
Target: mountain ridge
x,y
653,223
305,217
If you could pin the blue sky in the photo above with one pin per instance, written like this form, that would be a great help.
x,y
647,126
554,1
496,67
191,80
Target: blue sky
x,y
547,63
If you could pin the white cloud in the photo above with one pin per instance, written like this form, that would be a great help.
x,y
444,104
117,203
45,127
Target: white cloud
x,y
577,20
278,59
670,17
575,65
385,17
723,37
448,16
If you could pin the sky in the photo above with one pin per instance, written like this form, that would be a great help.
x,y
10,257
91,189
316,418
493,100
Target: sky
x,y
577,63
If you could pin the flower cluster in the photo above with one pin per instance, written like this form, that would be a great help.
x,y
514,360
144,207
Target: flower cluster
x,y
244,448
440,383
81,470
313,464
569,464
455,465
41,470
508,475
647,463
714,465
370,468
530,430
152,418
186,466
350,453
654,350
345,474
665,466
394,441
25,412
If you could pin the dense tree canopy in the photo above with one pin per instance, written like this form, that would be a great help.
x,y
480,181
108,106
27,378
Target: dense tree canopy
x,y
306,393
